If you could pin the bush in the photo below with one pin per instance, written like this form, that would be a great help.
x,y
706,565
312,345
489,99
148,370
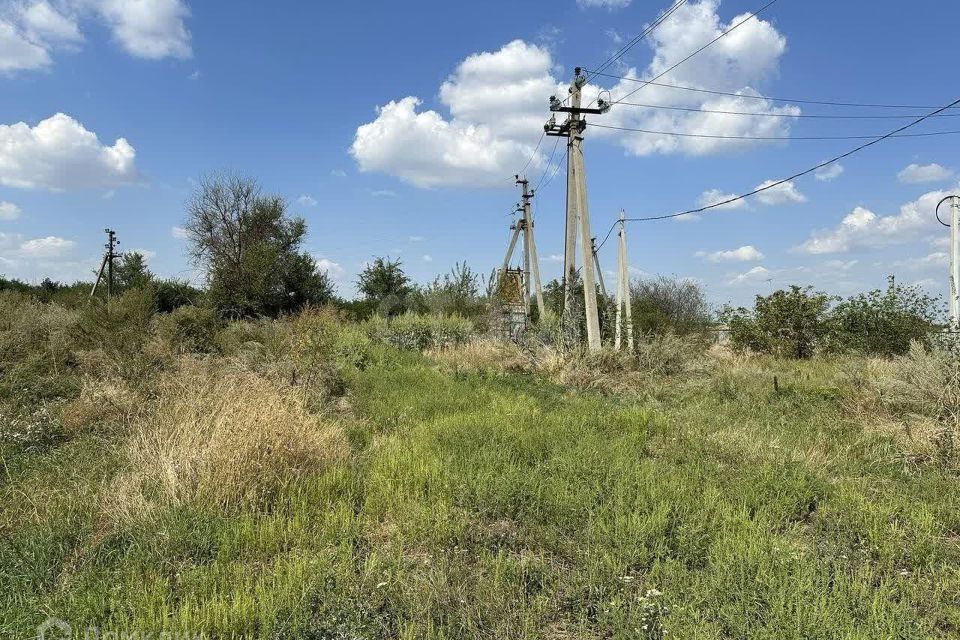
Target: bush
x,y
674,305
788,323
189,329
222,438
419,332
120,329
884,323
36,349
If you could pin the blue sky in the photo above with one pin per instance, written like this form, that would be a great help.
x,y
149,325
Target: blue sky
x,y
394,129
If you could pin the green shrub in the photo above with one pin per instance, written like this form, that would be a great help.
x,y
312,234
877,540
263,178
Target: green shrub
x,y
884,323
669,305
419,332
189,329
787,323
120,329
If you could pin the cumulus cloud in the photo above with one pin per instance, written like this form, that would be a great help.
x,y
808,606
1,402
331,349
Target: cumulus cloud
x,y
746,253
307,201
31,31
16,247
785,193
829,172
936,259
9,211
496,105
862,228
735,64
331,268
919,173
59,153
179,233
756,274
603,4
714,196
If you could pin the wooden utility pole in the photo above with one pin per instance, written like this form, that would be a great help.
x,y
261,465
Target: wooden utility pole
x,y
578,213
623,292
107,263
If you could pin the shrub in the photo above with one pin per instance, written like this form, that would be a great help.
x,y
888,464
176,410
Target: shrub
x,y
120,329
669,354
222,438
788,323
884,323
455,293
664,304
189,329
36,349
419,332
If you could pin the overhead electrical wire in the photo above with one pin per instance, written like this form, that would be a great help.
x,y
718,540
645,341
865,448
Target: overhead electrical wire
x,y
895,133
674,66
723,137
547,168
828,103
533,154
822,116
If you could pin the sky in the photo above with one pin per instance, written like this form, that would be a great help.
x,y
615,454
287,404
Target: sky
x,y
395,129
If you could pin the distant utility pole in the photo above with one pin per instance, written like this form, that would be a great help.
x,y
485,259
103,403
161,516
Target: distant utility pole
x,y
578,214
623,291
531,266
107,263
954,256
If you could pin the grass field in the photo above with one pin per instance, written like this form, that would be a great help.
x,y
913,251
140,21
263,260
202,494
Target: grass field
x,y
445,497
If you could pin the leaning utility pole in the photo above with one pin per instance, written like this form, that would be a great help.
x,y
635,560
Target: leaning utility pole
x,y
531,266
107,263
623,291
954,257
578,214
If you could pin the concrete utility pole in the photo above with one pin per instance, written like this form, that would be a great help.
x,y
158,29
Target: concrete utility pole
x,y
954,256
531,265
623,291
578,213
107,263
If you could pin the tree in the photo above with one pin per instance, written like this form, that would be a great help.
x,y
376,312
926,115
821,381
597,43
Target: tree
x,y
669,304
885,322
790,323
251,249
454,293
132,271
385,287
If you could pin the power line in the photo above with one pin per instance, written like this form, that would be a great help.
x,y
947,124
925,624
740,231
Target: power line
x,y
777,183
547,168
556,170
725,33
829,103
828,116
643,34
721,137
533,154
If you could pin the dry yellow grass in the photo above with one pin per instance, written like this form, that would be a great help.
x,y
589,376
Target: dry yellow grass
x,y
222,437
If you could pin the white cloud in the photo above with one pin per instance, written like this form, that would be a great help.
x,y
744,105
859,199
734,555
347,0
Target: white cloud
x,y
603,4
935,259
196,75
416,238
555,257
179,233
59,153
152,29
916,173
307,201
338,173
331,268
9,211
713,196
148,254
17,53
756,274
781,194
427,258
30,31
496,104
49,247
746,253
863,228
383,193
829,172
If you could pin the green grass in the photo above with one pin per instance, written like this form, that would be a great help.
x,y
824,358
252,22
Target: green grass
x,y
483,505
